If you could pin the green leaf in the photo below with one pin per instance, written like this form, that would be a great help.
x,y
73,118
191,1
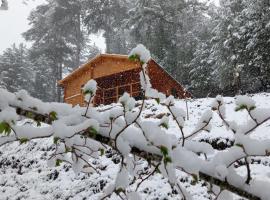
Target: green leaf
x,y
55,140
87,92
119,190
29,115
67,150
2,127
5,128
92,132
164,125
252,108
195,179
102,152
241,107
158,100
167,160
24,140
164,150
58,162
53,115
239,145
134,57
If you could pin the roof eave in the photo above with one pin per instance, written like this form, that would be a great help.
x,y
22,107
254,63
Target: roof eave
x,y
82,67
79,69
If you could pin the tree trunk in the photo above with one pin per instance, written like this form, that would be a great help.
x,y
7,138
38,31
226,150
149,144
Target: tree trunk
x,y
59,77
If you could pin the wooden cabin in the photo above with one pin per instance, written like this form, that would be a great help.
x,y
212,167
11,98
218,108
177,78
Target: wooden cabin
x,y
116,74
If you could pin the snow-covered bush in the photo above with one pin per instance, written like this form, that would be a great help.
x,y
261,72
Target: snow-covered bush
x,y
80,134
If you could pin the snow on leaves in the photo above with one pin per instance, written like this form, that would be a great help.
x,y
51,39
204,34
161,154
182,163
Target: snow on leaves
x,y
140,53
83,133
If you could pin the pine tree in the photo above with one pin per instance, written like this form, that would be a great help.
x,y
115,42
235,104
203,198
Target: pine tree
x,y
60,42
256,32
109,16
201,76
227,47
16,70
44,87
56,33
170,29
239,44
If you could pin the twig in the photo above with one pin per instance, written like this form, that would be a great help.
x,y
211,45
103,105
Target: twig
x,y
144,179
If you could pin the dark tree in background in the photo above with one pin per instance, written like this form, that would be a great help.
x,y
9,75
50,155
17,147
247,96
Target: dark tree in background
x,y
15,69
58,35
235,59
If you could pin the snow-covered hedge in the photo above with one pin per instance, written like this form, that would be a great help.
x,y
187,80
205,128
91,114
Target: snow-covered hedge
x,y
83,133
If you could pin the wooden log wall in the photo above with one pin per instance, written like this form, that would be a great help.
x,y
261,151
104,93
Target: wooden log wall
x,y
163,82
113,86
116,75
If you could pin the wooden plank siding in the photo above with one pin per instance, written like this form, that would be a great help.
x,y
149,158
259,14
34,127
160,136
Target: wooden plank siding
x,y
163,82
116,74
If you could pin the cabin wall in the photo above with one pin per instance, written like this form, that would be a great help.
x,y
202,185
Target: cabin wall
x,y
109,66
73,94
101,68
163,82
114,76
113,86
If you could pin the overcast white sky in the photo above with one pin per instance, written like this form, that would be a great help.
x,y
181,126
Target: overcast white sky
x,y
13,22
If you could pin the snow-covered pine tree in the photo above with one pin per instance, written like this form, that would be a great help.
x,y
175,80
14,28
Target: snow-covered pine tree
x,y
56,33
255,29
109,16
227,47
44,87
171,30
201,74
16,70
239,48
89,52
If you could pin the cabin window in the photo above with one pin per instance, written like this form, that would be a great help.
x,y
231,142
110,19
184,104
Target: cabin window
x,y
123,89
136,87
110,93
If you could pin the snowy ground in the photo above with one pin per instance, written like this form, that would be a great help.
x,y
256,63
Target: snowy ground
x,y
24,173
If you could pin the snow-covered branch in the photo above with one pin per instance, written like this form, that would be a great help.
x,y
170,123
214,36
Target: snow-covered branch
x,y
82,133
